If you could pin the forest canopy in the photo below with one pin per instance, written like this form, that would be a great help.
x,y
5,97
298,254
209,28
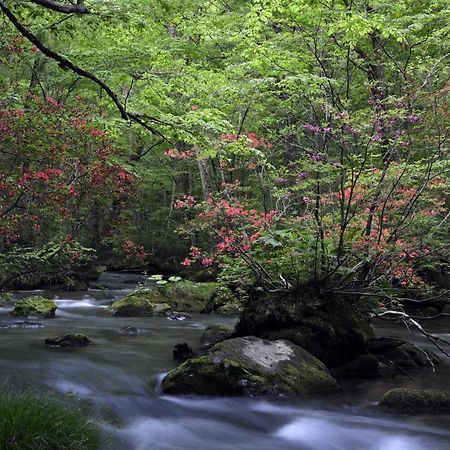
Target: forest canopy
x,y
292,143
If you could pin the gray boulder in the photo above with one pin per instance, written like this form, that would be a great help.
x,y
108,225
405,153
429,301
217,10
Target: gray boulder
x,y
250,366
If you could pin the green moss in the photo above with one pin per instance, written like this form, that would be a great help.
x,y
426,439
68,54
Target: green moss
x,y
42,422
252,367
35,306
416,400
145,303
189,296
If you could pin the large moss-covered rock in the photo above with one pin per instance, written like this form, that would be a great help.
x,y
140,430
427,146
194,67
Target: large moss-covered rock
x,y
331,328
416,401
148,303
189,296
251,367
35,306
186,296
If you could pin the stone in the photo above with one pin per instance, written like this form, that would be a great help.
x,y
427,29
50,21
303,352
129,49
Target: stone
x,y
69,340
430,311
129,329
35,306
23,324
416,401
363,366
250,366
182,352
230,309
400,353
214,334
139,304
330,328
176,315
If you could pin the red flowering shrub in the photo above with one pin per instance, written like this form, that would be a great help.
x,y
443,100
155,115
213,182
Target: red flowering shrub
x,y
56,170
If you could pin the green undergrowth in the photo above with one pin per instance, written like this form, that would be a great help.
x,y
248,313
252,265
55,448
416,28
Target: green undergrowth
x,y
34,421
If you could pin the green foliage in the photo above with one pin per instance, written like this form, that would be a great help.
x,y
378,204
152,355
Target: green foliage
x,y
31,421
56,260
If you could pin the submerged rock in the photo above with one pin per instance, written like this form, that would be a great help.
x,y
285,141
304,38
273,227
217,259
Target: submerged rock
x,y
129,329
176,315
35,306
23,324
69,340
416,401
251,367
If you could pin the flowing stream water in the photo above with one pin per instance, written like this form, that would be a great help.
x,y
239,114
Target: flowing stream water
x,y
119,376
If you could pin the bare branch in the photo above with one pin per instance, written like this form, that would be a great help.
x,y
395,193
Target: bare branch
x,y
79,8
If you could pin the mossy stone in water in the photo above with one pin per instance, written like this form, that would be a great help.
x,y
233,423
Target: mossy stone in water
x,y
189,296
35,306
416,401
140,304
251,367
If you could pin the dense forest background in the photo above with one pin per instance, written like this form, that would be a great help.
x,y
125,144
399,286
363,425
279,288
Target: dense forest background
x,y
298,142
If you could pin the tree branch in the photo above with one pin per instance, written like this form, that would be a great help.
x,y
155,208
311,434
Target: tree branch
x,y
79,8
67,64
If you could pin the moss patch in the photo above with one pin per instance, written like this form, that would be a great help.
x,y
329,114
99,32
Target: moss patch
x,y
34,306
416,401
145,303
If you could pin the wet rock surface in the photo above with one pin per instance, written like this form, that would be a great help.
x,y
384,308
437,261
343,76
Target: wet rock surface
x,y
36,306
251,367
69,340
416,401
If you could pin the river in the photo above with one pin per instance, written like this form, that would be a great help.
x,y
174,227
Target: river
x,y
120,376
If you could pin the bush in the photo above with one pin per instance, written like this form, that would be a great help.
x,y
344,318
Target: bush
x,y
42,422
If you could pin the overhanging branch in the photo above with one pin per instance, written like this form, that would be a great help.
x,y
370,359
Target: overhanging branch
x,y
79,8
67,64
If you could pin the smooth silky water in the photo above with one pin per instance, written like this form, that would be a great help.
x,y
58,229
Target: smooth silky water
x,y
119,377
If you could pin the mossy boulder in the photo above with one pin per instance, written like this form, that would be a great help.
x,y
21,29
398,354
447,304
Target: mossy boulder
x,y
146,303
250,366
35,306
329,327
189,296
416,401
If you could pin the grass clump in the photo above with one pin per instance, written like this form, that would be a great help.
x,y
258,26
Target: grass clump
x,y
30,421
